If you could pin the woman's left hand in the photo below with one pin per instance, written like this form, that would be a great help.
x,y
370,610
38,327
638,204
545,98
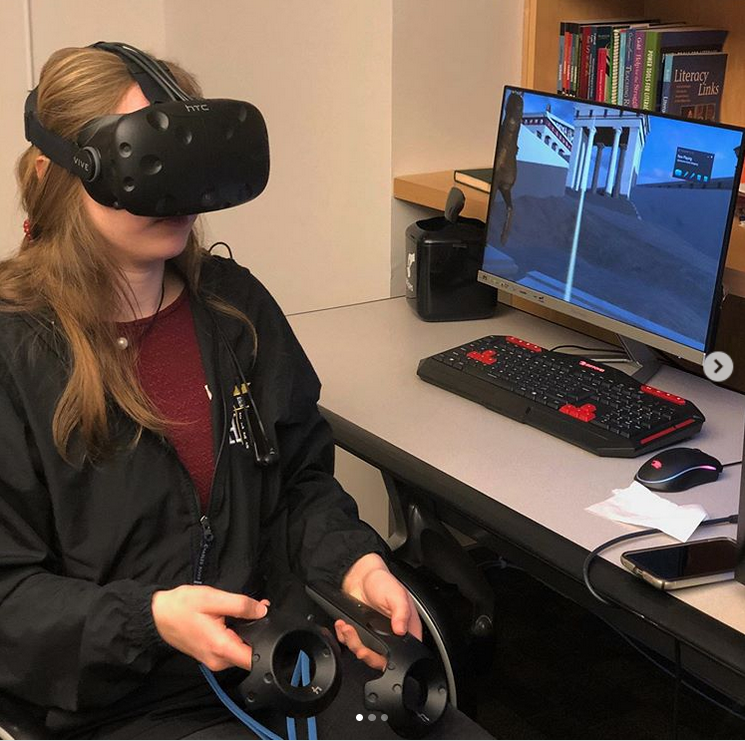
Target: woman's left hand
x,y
370,581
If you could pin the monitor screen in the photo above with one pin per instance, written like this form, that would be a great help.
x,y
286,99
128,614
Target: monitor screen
x,y
616,216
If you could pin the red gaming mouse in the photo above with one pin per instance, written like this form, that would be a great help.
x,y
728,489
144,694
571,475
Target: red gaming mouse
x,y
677,469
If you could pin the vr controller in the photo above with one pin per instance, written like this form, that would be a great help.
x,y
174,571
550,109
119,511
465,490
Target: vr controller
x,y
411,691
276,641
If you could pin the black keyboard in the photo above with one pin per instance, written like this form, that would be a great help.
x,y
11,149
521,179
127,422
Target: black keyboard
x,y
586,403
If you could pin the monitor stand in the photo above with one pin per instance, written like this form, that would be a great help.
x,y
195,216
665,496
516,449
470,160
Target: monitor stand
x,y
644,361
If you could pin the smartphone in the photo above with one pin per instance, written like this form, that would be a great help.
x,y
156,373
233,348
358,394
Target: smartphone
x,y
684,564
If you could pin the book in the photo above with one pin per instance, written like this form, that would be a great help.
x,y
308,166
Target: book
x,y
603,73
562,45
617,46
626,59
601,56
479,178
671,38
692,84
578,60
637,69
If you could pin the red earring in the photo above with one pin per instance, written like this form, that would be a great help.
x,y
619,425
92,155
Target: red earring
x,y
27,230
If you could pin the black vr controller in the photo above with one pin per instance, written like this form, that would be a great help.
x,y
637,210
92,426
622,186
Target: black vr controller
x,y
276,641
412,691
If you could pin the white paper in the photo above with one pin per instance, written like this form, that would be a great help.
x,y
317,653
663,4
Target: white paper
x,y
638,505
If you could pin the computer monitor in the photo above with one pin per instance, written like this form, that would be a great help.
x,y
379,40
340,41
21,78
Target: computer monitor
x,y
616,216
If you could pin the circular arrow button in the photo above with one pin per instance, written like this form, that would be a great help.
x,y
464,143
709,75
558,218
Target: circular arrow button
x,y
718,366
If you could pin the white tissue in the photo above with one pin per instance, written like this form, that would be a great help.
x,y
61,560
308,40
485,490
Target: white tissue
x,y
638,505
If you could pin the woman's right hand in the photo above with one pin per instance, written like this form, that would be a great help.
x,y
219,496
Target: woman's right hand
x,y
191,618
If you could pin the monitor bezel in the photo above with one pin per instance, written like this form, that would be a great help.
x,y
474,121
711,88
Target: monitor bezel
x,y
594,318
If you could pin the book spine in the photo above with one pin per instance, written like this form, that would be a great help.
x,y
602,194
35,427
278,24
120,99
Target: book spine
x,y
584,62
618,100
567,59
667,67
603,39
637,69
601,75
592,64
576,49
573,63
630,42
612,92
560,70
651,70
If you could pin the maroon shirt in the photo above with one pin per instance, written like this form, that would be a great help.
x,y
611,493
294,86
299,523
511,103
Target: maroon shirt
x,y
172,375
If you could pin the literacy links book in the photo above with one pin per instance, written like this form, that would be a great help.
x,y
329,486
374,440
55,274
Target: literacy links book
x,y
692,84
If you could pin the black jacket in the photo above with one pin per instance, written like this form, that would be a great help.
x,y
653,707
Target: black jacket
x,y
83,550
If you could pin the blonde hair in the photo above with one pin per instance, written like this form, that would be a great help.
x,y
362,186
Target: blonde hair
x,y
61,267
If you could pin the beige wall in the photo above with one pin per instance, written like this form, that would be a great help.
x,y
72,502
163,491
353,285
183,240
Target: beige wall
x,y
450,62
52,25
320,73
12,93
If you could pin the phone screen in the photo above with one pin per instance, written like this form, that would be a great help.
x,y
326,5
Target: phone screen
x,y
687,560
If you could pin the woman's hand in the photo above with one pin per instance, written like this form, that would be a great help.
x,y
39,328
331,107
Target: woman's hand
x,y
191,618
370,581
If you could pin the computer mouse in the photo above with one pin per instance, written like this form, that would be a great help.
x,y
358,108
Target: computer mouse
x,y
677,469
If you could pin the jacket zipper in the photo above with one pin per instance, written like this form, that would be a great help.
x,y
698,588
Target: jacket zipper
x,y
208,536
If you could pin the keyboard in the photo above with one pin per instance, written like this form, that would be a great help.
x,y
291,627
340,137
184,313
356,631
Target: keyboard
x,y
586,403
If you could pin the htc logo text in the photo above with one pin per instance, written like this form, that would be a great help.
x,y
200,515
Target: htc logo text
x,y
196,107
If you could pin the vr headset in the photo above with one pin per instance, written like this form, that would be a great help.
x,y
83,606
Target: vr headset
x,y
179,155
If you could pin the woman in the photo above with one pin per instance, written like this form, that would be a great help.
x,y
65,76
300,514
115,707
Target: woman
x,y
133,517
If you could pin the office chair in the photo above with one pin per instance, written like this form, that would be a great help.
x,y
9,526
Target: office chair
x,y
455,601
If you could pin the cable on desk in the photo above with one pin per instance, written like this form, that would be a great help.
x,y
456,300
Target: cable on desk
x,y
734,463
613,350
731,519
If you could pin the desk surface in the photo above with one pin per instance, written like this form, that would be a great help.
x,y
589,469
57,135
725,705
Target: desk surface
x,y
366,356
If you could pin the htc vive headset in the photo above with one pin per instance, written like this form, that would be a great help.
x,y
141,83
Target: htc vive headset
x,y
179,155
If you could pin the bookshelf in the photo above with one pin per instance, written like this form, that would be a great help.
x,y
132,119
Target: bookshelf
x,y
541,32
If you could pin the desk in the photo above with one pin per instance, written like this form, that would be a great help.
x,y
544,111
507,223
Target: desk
x,y
516,488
